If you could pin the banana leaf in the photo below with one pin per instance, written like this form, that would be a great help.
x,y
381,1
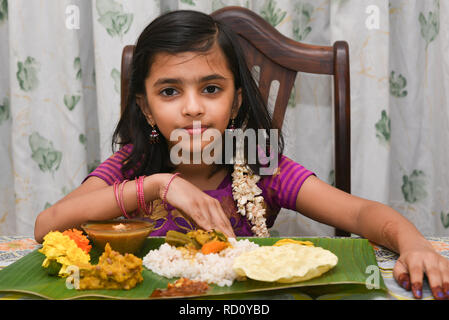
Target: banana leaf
x,y
355,256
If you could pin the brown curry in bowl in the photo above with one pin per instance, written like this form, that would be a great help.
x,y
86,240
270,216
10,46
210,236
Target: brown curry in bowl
x,y
124,236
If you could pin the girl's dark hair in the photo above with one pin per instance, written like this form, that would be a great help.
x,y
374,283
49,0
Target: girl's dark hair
x,y
177,32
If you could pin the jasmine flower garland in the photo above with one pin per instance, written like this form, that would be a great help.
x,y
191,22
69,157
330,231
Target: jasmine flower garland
x,y
249,198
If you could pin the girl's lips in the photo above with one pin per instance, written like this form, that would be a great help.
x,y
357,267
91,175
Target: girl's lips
x,y
196,130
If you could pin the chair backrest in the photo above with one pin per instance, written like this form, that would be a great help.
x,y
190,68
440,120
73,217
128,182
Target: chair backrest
x,y
278,59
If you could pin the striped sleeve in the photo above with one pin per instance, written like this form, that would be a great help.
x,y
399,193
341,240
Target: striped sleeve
x,y
280,190
110,170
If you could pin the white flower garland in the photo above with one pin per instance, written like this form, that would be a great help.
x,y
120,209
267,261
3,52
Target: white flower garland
x,y
249,200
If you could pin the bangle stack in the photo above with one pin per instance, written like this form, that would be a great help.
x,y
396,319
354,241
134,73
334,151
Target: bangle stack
x,y
141,204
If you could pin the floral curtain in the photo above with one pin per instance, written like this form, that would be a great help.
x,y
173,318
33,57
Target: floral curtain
x,y
60,95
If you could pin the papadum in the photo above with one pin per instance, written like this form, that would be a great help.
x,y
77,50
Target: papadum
x,y
287,263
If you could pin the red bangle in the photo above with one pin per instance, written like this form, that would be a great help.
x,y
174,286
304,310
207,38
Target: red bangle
x,y
122,186
118,192
164,197
138,192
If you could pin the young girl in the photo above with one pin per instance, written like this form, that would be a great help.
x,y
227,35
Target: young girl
x,y
189,69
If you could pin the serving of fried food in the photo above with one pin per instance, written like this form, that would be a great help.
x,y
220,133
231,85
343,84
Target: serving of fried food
x,y
182,287
113,271
287,241
285,263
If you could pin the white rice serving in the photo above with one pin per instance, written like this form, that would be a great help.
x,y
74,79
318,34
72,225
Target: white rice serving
x,y
169,262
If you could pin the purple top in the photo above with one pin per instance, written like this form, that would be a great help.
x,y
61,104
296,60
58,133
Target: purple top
x,y
279,190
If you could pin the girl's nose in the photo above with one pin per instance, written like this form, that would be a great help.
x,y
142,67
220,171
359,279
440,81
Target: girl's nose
x,y
193,105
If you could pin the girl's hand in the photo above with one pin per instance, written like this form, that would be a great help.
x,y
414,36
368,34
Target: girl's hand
x,y
413,263
203,209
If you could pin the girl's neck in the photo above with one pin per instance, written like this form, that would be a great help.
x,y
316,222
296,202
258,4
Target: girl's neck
x,y
203,170
204,176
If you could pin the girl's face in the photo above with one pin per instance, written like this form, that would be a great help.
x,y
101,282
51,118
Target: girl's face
x,y
187,87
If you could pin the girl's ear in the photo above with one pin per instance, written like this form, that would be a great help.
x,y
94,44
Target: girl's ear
x,y
141,101
237,103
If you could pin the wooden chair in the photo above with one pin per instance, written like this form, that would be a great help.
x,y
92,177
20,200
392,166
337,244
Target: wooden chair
x,y
281,58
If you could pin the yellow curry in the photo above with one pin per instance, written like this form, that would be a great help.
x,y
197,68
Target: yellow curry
x,y
113,271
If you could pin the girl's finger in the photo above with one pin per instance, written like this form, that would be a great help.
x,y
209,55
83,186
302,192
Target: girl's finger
x,y
444,267
226,228
212,216
225,224
434,277
446,289
401,275
201,217
189,219
416,278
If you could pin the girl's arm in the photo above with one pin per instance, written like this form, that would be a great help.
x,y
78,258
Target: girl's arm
x,y
369,219
382,225
93,200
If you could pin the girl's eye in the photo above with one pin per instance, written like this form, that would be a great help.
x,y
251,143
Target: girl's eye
x,y
169,92
211,89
